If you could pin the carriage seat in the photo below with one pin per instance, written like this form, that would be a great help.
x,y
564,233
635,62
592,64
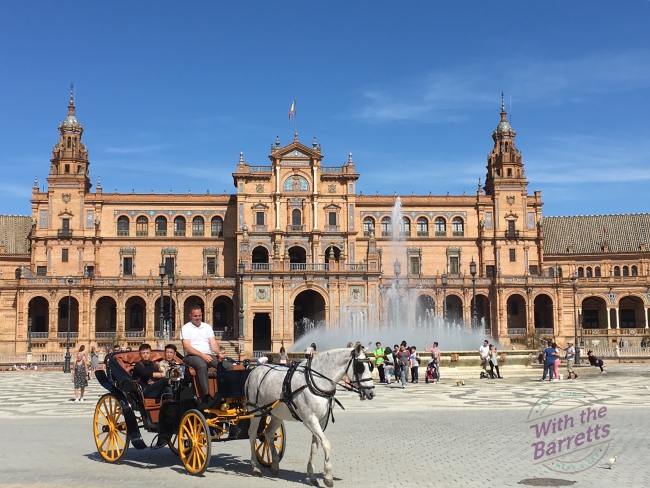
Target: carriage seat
x,y
212,378
127,360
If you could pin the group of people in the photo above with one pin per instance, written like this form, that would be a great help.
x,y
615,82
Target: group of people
x,y
397,362
488,355
550,358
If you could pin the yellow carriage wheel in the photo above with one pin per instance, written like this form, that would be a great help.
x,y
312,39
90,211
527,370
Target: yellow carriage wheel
x,y
109,427
262,449
194,442
173,444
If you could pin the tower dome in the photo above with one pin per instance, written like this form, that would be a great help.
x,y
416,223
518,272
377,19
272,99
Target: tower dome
x,y
70,123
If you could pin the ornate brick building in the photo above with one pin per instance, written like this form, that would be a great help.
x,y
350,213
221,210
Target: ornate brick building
x,y
311,249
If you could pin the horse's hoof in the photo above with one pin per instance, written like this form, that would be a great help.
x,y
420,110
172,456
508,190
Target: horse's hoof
x,y
275,471
312,482
329,483
257,472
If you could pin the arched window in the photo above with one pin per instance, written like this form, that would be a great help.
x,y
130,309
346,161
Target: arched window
x,y
216,226
589,272
406,227
368,226
581,272
198,226
422,227
440,225
506,147
551,272
296,219
386,227
123,226
161,226
597,271
142,226
626,271
179,226
69,143
617,271
635,271
457,227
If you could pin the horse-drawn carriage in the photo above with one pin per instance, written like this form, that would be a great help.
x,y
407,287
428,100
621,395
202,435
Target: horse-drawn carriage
x,y
176,419
254,402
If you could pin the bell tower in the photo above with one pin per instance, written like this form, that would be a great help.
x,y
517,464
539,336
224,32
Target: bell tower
x,y
69,156
504,164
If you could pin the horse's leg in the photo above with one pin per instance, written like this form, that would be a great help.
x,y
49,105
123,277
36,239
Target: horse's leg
x,y
317,431
252,435
274,423
310,464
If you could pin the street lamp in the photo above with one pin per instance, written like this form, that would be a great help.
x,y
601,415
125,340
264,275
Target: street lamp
x,y
29,335
66,363
575,318
170,323
472,271
162,273
444,296
241,271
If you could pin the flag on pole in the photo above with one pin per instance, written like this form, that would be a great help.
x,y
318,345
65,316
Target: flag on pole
x,y
292,111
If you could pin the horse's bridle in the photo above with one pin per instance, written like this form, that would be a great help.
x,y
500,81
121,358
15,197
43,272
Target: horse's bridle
x,y
358,369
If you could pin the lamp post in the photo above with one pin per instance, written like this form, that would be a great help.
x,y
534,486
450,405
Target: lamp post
x,y
161,273
29,336
472,271
66,362
171,280
444,296
241,271
574,283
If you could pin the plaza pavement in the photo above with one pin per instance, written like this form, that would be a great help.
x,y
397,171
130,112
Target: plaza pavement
x,y
444,435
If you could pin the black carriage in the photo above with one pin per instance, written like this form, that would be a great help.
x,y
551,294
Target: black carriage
x,y
178,420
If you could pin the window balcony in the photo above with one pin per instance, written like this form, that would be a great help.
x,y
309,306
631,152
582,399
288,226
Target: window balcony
x,y
39,335
295,228
441,233
64,233
357,267
134,333
123,233
331,169
179,233
259,228
63,335
332,228
423,233
259,169
458,233
103,335
161,233
141,233
512,234
260,266
217,233
516,332
308,267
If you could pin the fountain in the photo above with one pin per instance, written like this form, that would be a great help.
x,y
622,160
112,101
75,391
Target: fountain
x,y
357,323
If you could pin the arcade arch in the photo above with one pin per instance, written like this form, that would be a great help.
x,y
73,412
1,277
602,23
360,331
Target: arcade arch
x,y
308,312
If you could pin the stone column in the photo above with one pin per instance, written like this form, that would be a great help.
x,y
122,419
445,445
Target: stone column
x,y
618,319
609,321
646,318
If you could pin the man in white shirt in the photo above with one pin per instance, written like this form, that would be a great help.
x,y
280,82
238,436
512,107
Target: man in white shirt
x,y
198,339
484,352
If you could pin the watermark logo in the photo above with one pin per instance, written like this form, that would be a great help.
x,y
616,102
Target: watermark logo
x,y
569,431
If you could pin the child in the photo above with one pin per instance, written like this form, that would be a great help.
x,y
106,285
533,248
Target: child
x,y
594,361
415,363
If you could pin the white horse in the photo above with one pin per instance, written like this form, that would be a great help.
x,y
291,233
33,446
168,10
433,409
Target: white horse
x,y
314,387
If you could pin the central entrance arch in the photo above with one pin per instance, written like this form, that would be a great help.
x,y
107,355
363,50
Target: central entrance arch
x,y
308,312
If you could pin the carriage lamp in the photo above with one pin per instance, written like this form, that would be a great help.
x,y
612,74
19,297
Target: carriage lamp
x,y
472,271
241,271
162,273
444,296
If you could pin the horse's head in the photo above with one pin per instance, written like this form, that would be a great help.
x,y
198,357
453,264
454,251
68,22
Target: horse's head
x,y
360,373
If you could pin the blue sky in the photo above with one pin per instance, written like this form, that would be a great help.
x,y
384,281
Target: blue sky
x,y
169,93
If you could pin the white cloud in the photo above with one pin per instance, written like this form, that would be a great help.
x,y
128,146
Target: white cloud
x,y
439,96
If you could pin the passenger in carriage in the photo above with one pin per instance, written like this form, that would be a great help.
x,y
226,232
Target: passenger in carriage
x,y
225,364
198,342
170,359
153,382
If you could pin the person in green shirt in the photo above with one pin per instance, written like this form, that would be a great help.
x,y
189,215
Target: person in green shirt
x,y
379,362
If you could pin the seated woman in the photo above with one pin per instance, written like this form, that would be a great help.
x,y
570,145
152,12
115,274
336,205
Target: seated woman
x,y
594,361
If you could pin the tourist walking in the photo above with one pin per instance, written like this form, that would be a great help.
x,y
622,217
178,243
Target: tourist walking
x,y
556,366
484,354
389,364
79,377
494,362
415,365
379,361
404,360
548,359
94,360
311,349
283,355
570,360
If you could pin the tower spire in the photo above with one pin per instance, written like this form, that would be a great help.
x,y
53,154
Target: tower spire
x,y
71,94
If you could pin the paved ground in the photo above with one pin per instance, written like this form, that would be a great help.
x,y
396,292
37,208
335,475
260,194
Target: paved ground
x,y
429,435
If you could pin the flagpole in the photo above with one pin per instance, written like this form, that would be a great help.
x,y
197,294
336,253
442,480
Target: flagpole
x,y
295,120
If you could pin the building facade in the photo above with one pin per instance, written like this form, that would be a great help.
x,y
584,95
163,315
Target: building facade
x,y
297,246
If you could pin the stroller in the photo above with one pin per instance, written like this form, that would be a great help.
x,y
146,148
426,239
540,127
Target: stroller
x,y
432,372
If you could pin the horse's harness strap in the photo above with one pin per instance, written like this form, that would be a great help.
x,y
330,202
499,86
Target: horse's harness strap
x,y
287,395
